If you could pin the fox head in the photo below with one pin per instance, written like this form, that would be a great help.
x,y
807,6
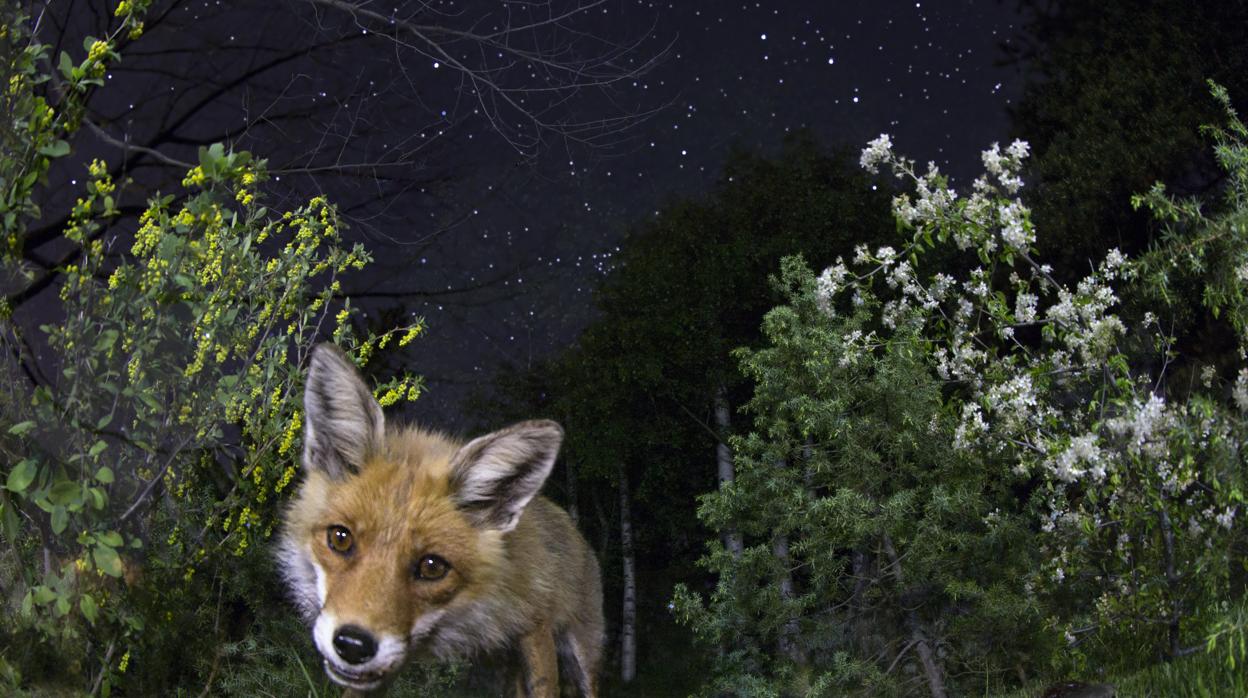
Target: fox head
x,y
397,532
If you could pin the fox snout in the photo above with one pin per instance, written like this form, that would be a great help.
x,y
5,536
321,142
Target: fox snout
x,y
355,644
356,657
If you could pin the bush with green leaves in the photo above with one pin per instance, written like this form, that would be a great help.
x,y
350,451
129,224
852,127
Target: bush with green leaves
x,y
957,422
896,541
150,426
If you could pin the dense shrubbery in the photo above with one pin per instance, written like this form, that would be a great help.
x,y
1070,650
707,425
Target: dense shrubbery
x,y
150,427
977,471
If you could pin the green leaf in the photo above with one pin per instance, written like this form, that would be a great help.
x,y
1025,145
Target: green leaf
x,y
66,65
106,418
55,149
21,476
62,606
65,492
9,520
21,427
60,519
43,594
98,499
107,560
97,448
106,340
110,538
89,610
105,475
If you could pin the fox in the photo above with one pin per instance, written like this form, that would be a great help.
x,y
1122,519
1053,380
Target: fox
x,y
402,543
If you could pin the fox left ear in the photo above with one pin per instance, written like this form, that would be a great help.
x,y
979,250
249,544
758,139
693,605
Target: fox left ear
x,y
495,476
342,421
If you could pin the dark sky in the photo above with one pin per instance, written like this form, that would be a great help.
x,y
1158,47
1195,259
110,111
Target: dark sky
x,y
499,246
930,73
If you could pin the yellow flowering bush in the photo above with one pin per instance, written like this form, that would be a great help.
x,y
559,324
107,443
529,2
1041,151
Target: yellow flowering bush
x,y
158,454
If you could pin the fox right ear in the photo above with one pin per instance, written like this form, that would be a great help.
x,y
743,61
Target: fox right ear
x,y
343,423
494,476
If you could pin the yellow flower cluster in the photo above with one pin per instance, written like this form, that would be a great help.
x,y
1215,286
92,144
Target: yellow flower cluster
x,y
134,370
412,333
148,234
95,58
210,249
195,177
292,430
287,475
364,353
98,51
407,387
203,333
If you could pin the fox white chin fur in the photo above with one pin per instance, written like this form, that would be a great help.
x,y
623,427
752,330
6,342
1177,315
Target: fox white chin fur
x,y
403,542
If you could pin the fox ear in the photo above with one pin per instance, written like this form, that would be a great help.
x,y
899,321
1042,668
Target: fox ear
x,y
495,476
342,423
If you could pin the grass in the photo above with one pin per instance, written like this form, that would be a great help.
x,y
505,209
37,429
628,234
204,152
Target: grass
x,y
1202,675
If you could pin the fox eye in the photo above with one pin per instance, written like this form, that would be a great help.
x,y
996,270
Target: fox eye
x,y
431,568
339,539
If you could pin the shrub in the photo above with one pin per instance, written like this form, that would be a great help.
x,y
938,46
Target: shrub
x,y
957,422
152,435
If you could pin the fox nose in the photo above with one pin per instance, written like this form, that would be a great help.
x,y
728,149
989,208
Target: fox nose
x,y
354,644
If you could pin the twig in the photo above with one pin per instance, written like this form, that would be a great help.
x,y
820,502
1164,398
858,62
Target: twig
x,y
151,485
108,657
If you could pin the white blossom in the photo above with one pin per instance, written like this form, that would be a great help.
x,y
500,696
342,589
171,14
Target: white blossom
x,y
1019,149
877,151
970,426
1083,450
1025,307
1226,518
1240,391
828,285
1014,228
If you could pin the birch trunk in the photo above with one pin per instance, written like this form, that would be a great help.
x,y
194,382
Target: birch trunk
x,y
788,634
569,478
1172,582
931,666
723,457
628,623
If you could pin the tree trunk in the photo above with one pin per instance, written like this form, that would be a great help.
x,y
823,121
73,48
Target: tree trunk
x,y
864,632
789,633
628,623
723,457
569,477
931,666
604,522
1173,649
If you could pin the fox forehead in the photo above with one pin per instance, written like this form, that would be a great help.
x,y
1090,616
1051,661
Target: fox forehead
x,y
404,487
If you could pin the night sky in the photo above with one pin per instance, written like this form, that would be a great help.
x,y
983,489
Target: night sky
x,y
932,74
496,241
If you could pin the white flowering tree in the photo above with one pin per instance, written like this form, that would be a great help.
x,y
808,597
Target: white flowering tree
x,y
1098,425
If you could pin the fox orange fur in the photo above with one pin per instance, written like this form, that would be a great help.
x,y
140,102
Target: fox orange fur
x,y
402,542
